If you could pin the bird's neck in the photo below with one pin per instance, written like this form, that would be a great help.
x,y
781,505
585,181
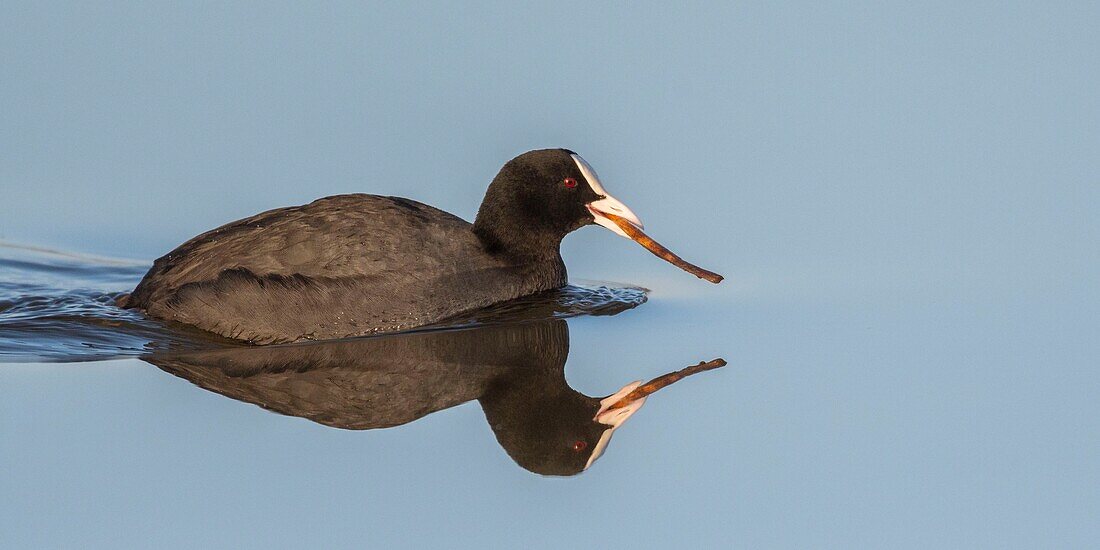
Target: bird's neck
x,y
503,236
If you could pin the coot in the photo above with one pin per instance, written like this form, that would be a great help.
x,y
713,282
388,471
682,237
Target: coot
x,y
359,264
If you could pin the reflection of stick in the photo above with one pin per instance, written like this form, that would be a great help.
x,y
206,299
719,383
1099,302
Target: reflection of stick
x,y
660,251
664,380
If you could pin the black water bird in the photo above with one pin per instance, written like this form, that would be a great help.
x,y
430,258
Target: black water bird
x,y
515,371
360,264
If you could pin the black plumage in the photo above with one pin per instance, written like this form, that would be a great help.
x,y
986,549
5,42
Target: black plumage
x,y
360,264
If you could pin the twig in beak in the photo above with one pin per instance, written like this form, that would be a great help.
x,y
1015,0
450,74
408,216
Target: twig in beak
x,y
661,252
664,380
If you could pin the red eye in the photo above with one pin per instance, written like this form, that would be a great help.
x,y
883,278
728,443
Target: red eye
x,y
579,445
570,182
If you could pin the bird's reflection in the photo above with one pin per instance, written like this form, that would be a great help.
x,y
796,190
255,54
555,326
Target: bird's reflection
x,y
515,371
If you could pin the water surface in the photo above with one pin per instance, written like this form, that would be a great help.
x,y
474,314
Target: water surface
x,y
826,403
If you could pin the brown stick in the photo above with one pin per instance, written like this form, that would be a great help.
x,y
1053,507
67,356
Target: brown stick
x,y
660,251
665,380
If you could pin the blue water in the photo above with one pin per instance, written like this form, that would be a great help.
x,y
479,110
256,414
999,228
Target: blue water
x,y
902,197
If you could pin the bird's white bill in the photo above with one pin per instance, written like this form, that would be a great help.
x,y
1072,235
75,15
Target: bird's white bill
x,y
606,203
614,418
612,205
605,417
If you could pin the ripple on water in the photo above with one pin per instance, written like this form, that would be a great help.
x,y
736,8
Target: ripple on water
x,y
61,307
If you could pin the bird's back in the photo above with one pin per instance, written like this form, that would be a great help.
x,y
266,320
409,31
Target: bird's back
x,y
339,266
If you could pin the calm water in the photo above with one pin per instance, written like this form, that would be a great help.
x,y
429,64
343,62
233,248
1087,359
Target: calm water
x,y
133,432
902,196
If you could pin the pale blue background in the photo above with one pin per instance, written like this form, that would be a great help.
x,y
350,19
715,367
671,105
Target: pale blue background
x,y
902,196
